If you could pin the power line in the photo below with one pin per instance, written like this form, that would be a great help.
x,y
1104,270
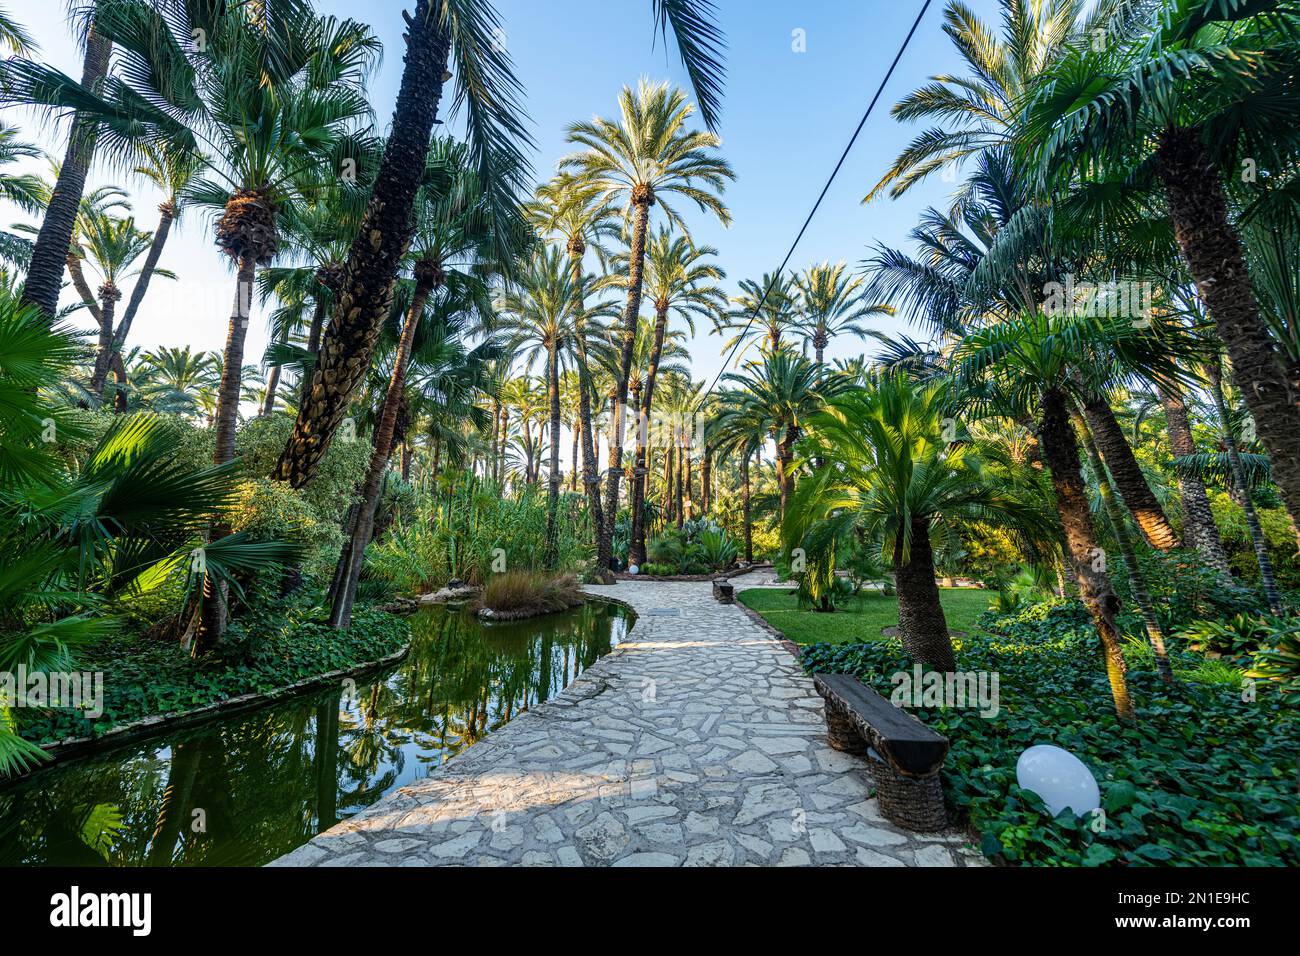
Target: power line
x,y
835,172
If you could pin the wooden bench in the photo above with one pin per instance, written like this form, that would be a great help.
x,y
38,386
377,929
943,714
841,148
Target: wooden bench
x,y
905,755
724,592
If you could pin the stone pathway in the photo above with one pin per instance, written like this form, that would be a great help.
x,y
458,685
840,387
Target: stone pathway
x,y
698,741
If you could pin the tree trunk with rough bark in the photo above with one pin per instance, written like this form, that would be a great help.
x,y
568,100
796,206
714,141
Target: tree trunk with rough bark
x,y
706,479
744,507
354,549
549,557
166,215
642,199
1198,519
1137,584
272,383
1061,453
1257,539
1212,249
922,627
642,473
1118,455
366,291
227,418
50,252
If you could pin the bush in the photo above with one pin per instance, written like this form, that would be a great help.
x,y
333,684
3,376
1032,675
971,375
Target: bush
x,y
526,593
272,511
1203,778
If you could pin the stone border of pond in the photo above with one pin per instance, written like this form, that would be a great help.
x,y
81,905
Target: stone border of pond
x,y
72,748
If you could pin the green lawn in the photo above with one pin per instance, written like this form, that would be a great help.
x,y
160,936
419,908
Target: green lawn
x,y
860,619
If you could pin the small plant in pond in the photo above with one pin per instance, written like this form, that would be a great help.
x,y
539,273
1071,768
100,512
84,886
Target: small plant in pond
x,y
520,594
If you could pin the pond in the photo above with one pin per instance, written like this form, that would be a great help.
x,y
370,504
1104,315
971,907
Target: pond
x,y
247,789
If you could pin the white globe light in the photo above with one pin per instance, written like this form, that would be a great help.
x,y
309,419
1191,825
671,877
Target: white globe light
x,y
1060,778
633,569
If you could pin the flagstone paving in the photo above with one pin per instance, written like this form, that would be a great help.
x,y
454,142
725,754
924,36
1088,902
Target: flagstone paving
x,y
698,741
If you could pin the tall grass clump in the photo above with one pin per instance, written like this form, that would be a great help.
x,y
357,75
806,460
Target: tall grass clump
x,y
473,530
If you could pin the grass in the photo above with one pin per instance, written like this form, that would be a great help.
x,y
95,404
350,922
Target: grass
x,y
530,593
858,619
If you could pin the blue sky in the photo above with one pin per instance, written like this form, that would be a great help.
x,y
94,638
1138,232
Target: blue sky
x,y
786,118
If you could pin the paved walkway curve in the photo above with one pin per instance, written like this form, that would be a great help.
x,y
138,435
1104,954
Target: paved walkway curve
x,y
698,741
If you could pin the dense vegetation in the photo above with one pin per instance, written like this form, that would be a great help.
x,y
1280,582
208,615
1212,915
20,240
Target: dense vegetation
x,y
1099,420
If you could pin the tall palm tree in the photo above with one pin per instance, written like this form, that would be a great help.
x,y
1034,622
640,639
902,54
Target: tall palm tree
x,y
1023,367
831,304
539,308
1177,99
112,245
578,212
27,191
170,170
177,380
50,251
646,156
770,300
454,236
777,393
680,282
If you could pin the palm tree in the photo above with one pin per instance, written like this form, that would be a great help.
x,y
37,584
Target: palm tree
x,y
577,212
452,244
830,304
112,245
978,112
680,282
772,301
1024,366
465,30
1179,98
646,156
171,171
27,191
177,381
777,394
50,252
894,480
539,308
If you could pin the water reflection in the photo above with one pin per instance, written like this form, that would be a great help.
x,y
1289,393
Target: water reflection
x,y
248,789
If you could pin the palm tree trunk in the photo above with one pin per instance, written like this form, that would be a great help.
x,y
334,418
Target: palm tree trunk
x,y
1257,539
119,373
272,382
922,627
642,474
669,453
744,506
706,479
573,456
553,479
353,551
366,292
108,296
785,466
1198,519
1061,453
232,368
1209,242
631,314
1137,584
45,270
1132,484
678,510
166,215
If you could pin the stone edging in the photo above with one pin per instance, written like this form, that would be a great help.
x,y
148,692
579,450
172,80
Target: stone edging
x,y
72,747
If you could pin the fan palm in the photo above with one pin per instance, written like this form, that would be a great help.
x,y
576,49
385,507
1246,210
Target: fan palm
x,y
646,156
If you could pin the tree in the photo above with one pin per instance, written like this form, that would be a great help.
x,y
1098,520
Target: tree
x,y
645,156
771,301
831,304
776,394
45,268
578,212
893,479
1181,97
680,282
